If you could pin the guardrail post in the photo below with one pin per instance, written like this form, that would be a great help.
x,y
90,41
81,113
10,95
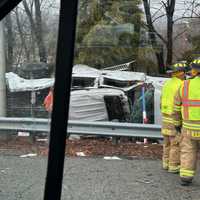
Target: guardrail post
x,y
115,140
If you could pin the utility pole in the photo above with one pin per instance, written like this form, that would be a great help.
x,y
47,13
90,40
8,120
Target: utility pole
x,y
2,73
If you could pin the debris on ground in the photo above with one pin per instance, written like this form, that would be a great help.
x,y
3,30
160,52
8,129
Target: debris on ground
x,y
144,181
28,155
3,171
80,154
42,140
84,147
23,134
111,158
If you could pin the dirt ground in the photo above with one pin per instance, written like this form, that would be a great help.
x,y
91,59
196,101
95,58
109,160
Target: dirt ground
x,y
88,147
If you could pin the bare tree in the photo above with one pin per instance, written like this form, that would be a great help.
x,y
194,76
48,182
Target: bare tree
x,y
10,41
167,10
21,35
26,32
158,49
39,32
36,27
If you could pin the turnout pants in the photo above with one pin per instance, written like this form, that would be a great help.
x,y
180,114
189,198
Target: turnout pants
x,y
171,153
189,150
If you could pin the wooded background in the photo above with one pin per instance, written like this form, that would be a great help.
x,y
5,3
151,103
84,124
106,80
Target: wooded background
x,y
153,33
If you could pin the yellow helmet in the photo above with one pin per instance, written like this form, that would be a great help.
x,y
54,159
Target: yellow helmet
x,y
179,66
195,64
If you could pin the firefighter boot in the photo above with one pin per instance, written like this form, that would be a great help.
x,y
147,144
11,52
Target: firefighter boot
x,y
174,154
186,181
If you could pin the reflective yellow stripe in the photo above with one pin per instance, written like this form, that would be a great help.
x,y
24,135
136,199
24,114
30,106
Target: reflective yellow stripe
x,y
165,164
186,173
176,123
167,132
191,126
174,168
195,134
178,108
196,61
167,119
171,121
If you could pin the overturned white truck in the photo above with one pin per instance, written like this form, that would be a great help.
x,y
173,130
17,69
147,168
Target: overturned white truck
x,y
97,95
122,102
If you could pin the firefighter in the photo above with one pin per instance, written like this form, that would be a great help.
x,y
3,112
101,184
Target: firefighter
x,y
171,151
187,110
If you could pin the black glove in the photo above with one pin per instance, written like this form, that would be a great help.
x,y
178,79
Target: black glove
x,y
178,129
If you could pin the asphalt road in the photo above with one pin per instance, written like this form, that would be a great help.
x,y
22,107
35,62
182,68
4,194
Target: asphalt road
x,y
94,179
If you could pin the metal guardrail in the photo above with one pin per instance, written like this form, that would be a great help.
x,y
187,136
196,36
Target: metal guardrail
x,y
83,128
24,124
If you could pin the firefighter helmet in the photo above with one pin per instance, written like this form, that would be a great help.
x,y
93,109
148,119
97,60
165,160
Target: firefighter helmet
x,y
196,64
179,66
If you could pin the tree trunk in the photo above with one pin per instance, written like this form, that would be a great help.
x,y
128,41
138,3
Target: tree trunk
x,y
22,38
33,46
10,42
170,23
169,40
160,60
152,36
36,27
39,32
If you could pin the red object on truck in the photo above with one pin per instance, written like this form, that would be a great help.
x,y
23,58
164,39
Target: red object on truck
x,y
48,101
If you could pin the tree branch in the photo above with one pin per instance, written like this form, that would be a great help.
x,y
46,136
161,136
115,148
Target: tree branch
x,y
158,10
172,6
164,4
176,37
158,17
185,18
158,34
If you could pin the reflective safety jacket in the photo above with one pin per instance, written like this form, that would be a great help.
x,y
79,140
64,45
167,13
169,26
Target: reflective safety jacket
x,y
169,91
187,105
